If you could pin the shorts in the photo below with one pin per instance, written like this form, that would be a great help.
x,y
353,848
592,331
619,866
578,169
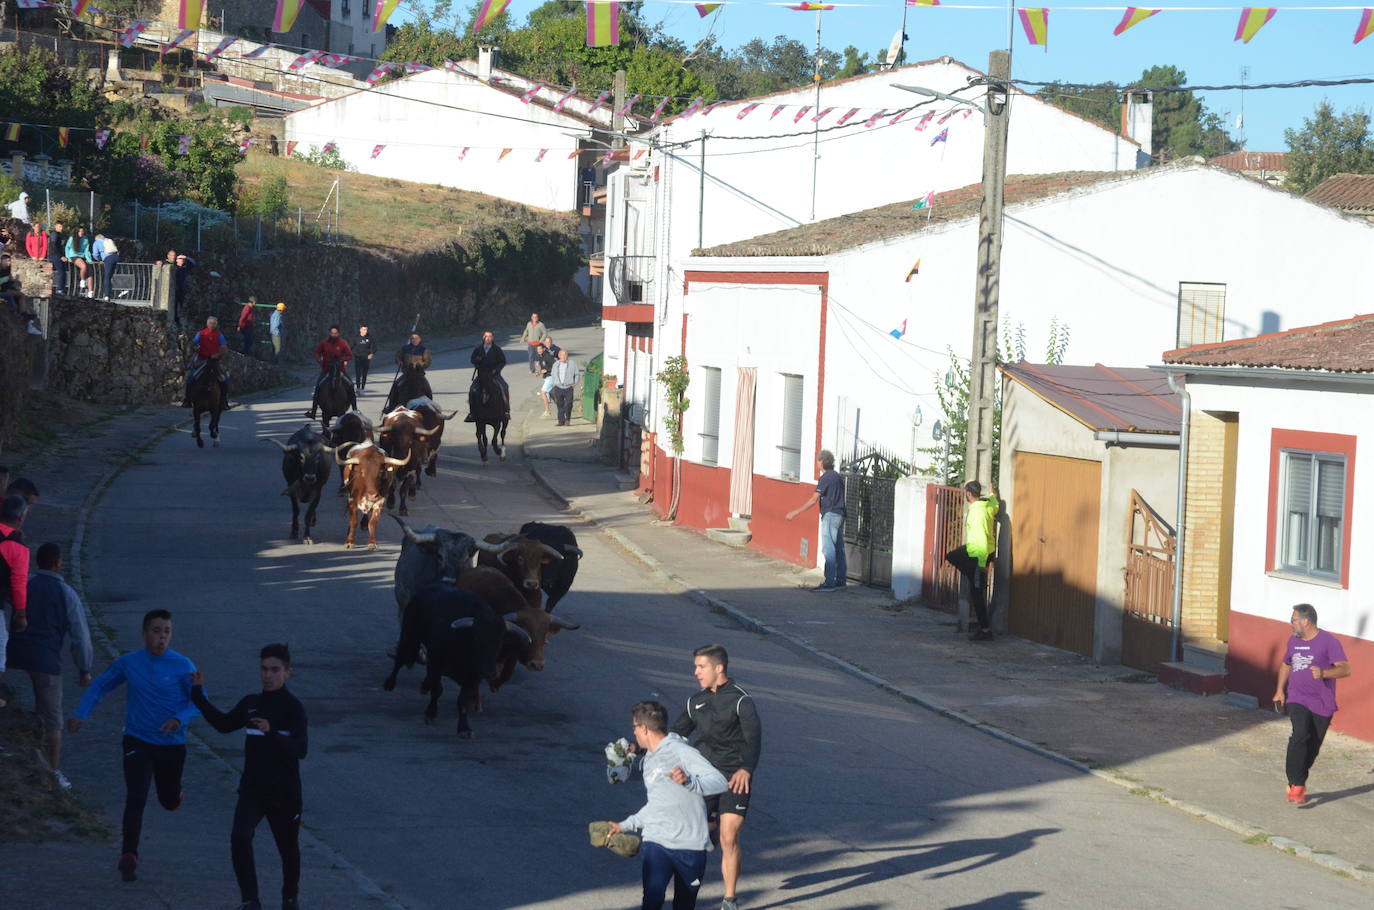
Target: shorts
x,y
47,700
728,803
548,384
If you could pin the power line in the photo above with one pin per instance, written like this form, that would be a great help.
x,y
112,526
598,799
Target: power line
x,y
1166,89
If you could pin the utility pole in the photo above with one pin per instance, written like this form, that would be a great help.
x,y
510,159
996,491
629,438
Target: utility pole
x,y
983,367
618,100
701,195
815,118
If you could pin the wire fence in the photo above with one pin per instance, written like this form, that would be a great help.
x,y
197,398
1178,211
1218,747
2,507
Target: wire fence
x,y
209,230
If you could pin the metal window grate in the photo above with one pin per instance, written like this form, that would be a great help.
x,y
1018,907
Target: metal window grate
x,y
1201,313
790,447
710,429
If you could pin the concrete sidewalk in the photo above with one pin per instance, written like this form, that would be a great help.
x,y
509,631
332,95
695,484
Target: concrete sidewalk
x,y
1201,754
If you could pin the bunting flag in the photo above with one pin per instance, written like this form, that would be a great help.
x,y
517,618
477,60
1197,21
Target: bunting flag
x,y
820,115
190,13
639,154
330,148
381,12
915,270
901,114
305,60
529,95
540,156
504,153
128,35
600,100
966,113
847,117
489,11
1366,26
64,135
379,72
463,154
924,121
257,52
777,110
558,106
1134,16
221,47
629,105
943,137
184,145
243,145
574,153
455,68
603,23
691,108
377,150
414,67
812,7
177,39
801,112
291,147
706,9
36,4
1036,22
922,2
873,121
605,159
102,137
658,110
706,111
925,201
12,132
78,7
1252,19
746,111
337,59
945,119
898,333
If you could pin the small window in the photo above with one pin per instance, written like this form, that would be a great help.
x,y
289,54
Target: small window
x,y
1201,313
1312,514
710,429
791,427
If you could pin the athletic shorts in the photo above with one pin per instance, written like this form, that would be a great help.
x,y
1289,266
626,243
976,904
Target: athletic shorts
x,y
548,384
47,700
728,803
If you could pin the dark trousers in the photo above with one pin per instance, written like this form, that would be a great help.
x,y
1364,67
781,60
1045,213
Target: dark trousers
x,y
534,357
108,265
360,368
977,581
285,821
563,399
247,333
1309,729
684,868
59,276
145,763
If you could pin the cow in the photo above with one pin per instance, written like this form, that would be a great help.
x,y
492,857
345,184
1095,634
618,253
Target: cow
x,y
462,637
305,466
351,428
520,558
372,474
519,607
432,419
404,432
556,576
429,555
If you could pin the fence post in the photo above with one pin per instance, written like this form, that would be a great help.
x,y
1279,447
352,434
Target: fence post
x,y
157,224
908,537
197,232
298,224
91,206
135,221
257,236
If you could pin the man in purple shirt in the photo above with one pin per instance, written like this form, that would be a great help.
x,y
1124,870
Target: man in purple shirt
x,y
1312,663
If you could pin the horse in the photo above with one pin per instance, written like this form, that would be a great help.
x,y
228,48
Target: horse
x,y
206,398
409,385
336,395
488,408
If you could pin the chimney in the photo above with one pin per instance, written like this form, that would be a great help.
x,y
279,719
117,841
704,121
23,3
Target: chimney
x,y
1137,118
488,59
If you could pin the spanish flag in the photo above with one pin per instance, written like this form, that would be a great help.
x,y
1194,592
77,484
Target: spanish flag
x,y
1134,16
1252,19
812,7
504,153
64,135
706,9
489,11
79,7
285,17
922,2
382,12
1036,22
12,132
1366,25
603,23
192,12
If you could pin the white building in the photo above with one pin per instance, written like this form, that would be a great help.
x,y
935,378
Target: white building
x,y
1133,264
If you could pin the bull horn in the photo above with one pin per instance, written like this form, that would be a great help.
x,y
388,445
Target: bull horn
x,y
551,551
397,462
420,431
488,547
343,461
512,627
448,416
510,544
511,616
563,624
411,535
464,623
569,548
279,444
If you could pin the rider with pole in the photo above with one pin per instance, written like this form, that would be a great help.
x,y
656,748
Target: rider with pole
x,y
489,360
209,345
325,353
413,358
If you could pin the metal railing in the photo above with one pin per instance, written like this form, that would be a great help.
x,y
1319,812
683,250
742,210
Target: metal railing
x,y
132,283
632,279
944,532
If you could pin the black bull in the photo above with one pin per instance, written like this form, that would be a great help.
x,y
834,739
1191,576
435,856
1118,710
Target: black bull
x,y
305,467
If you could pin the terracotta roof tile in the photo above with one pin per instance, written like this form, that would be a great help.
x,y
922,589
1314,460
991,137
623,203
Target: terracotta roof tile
x,y
1250,161
1345,346
1135,400
1347,192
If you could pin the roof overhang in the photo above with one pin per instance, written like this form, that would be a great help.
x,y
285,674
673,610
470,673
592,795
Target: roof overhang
x,y
1267,375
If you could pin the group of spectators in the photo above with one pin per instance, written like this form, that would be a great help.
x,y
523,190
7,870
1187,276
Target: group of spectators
x,y
557,373
92,260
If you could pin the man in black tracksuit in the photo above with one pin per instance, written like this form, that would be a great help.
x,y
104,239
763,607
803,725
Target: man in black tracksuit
x,y
271,784
729,736
363,350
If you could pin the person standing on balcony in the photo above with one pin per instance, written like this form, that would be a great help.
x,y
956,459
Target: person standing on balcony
x,y
535,332
1312,662
830,496
980,544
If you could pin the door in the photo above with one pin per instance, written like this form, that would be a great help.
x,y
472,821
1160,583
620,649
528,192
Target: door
x,y
1054,542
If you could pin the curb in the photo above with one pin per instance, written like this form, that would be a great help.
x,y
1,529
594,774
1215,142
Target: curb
x,y
1327,861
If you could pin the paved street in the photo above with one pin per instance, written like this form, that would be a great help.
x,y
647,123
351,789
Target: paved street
x,y
863,800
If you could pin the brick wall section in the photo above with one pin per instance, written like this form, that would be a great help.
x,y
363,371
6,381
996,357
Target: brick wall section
x,y
1203,534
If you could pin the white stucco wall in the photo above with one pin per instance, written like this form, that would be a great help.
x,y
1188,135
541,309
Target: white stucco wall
x,y
1261,409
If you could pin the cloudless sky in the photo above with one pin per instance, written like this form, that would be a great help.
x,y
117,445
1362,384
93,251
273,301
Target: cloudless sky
x,y
1298,43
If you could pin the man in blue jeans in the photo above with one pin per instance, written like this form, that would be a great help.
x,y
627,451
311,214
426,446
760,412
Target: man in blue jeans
x,y
830,495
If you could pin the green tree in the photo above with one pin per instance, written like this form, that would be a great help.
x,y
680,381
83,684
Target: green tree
x,y
35,89
1327,145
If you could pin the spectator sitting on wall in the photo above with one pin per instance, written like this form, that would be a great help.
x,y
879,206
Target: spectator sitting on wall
x,y
7,242
19,208
36,241
79,254
9,288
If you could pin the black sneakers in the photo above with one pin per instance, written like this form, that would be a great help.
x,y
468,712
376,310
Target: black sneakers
x,y
128,867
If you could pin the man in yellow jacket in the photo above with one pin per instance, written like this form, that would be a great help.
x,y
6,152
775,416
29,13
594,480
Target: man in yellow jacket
x,y
980,545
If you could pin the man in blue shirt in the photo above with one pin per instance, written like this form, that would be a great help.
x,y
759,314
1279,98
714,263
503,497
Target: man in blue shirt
x,y
159,707
277,325
830,496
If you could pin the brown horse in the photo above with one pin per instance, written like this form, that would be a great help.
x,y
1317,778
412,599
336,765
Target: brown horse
x,y
206,397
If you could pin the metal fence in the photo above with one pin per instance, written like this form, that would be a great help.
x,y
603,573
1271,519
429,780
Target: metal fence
x,y
215,231
943,532
132,283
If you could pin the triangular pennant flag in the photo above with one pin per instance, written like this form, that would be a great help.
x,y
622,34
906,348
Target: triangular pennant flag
x,y
900,115
184,145
945,119
898,333
706,9
221,47
257,52
177,39
873,121
574,153
305,60
706,111
629,105
377,150
925,201
128,35
285,17
463,154
379,72
540,156
691,108
504,153
337,59
600,100
922,2
64,135
291,147
12,132
529,95
190,13
820,115
453,67
847,117
915,270
1036,22
1252,19
603,23
489,11
414,67
812,7
943,137
244,143
639,154
658,110
381,12
558,106
746,110
1134,16
102,137
1366,25
924,121
966,113
777,110
801,112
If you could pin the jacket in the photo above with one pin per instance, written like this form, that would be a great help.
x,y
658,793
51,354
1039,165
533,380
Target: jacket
x,y
488,362
330,348
727,727
57,245
246,317
271,760
408,351
674,817
78,247
159,689
55,613
14,571
980,529
276,323
36,244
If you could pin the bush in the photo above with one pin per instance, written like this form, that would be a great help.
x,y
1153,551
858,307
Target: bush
x,y
9,189
330,159
66,214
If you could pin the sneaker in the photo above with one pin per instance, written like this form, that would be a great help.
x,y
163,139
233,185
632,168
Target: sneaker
x,y
310,414
254,904
981,635
128,866
290,903
824,589
1297,795
61,779
729,903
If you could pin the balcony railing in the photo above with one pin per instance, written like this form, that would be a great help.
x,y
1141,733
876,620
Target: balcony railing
x,y
632,279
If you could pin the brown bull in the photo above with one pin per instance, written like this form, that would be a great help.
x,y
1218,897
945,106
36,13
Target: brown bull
x,y
519,607
521,559
348,430
433,420
403,431
371,475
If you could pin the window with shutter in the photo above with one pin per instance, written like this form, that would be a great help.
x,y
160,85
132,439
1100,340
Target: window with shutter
x,y
1313,513
1201,313
710,418
790,448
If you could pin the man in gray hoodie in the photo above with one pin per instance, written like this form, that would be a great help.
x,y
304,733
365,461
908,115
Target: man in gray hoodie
x,y
673,821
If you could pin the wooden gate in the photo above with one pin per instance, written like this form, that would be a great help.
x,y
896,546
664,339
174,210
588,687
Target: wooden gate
x,y
945,508
1148,625
1054,550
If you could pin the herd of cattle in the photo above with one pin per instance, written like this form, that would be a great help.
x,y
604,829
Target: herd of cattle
x,y
468,622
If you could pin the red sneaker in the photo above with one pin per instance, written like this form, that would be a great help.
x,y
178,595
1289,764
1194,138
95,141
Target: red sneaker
x,y
1291,788
1299,795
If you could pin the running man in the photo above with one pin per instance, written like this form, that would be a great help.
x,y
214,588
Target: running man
x,y
729,736
1312,662
271,783
159,708
672,822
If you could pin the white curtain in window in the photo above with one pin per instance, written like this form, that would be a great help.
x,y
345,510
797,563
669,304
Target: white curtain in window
x,y
742,458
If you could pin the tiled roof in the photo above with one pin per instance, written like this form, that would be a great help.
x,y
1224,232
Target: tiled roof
x,y
1347,192
1346,346
1250,161
846,231
1131,400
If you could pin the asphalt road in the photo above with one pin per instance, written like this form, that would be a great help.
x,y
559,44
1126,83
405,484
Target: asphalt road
x,y
862,801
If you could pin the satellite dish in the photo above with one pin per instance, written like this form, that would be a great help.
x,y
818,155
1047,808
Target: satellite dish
x,y
894,50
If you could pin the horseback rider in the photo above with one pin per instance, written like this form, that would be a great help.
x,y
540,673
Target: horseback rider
x,y
209,344
414,359
489,361
325,353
